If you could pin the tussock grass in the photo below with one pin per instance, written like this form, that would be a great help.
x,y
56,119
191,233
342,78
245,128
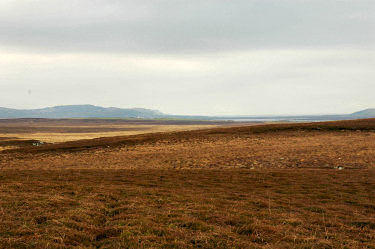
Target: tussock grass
x,y
237,187
187,209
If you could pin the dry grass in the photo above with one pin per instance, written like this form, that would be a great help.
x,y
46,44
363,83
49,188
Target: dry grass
x,y
81,132
243,187
187,209
8,147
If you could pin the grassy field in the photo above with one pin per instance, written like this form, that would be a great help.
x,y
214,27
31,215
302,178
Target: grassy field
x,y
63,130
266,186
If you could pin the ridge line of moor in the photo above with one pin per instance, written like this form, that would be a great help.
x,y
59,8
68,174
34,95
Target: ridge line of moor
x,y
176,136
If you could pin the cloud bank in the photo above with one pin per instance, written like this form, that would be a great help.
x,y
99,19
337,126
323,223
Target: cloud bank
x,y
189,57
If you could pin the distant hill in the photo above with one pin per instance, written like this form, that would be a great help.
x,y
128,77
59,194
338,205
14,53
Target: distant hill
x,y
368,113
80,111
91,111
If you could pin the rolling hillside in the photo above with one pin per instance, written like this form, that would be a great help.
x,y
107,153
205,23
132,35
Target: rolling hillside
x,y
91,111
79,111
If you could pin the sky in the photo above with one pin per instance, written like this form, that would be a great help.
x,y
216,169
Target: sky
x,y
191,57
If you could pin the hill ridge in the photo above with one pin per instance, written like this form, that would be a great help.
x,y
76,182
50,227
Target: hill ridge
x,y
365,112
79,111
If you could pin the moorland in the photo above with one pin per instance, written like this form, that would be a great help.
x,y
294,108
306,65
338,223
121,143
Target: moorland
x,y
196,185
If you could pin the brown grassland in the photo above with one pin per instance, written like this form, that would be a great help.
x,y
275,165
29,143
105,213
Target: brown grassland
x,y
252,186
63,130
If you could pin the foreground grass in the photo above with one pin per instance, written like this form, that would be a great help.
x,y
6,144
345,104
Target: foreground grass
x,y
187,208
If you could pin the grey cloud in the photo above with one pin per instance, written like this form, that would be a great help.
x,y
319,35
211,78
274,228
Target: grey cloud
x,y
189,56
183,26
256,82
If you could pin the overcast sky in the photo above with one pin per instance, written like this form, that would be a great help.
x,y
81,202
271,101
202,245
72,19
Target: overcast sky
x,y
208,57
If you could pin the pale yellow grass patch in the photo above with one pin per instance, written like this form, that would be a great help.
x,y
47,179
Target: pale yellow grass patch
x,y
64,137
7,147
